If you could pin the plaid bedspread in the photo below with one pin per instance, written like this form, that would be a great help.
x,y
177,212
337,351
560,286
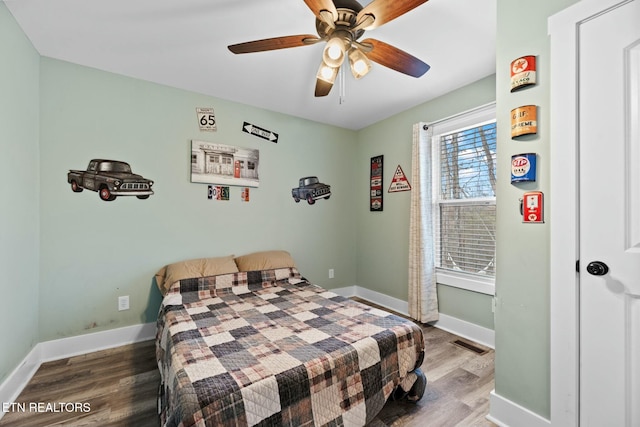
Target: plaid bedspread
x,y
267,348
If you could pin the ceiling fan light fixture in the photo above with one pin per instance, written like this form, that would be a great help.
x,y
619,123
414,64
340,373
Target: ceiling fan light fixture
x,y
334,52
327,73
341,23
360,64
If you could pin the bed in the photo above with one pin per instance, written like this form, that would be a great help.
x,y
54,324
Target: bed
x,y
265,347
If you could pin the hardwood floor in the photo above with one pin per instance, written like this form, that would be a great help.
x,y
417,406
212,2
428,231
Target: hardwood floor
x,y
459,383
117,387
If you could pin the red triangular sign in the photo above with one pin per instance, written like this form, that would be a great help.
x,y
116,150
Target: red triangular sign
x,y
399,181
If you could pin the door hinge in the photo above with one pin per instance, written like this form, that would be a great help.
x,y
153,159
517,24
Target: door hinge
x,y
577,266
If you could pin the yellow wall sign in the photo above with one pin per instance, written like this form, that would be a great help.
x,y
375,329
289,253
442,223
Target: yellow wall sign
x,y
524,120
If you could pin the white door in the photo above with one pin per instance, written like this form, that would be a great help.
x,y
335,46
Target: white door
x,y
609,210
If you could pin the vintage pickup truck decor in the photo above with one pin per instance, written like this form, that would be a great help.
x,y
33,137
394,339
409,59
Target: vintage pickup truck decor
x,y
311,189
110,178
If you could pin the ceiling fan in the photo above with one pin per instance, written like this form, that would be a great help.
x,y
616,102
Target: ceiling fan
x,y
340,23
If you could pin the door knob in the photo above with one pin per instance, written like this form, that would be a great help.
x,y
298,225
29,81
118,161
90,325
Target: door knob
x,y
597,268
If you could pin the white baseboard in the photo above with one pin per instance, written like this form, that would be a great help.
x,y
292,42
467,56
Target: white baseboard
x,y
47,351
19,377
506,413
468,330
81,344
378,298
462,328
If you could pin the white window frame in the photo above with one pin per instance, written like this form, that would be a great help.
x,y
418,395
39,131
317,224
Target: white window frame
x,y
475,117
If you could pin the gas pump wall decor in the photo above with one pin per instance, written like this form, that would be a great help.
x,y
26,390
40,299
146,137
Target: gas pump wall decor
x,y
532,207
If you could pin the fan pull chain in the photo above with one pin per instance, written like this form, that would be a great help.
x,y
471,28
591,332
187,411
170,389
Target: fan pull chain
x,y
343,96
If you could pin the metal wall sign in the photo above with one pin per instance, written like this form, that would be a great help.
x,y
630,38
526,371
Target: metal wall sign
x,y
523,167
532,207
524,121
259,132
375,189
245,194
523,72
218,192
206,119
399,182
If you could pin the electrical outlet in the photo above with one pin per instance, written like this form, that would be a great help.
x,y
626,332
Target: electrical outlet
x,y
123,303
331,273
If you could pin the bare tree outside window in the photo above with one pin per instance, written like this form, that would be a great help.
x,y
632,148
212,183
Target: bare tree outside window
x,y
466,200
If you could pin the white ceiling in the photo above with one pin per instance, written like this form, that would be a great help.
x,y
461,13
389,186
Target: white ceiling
x,y
183,43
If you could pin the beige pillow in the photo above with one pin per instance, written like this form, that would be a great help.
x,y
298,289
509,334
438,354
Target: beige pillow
x,y
201,267
265,260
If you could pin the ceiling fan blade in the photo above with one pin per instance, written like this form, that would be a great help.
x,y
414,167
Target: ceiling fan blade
x,y
394,58
386,10
323,87
274,43
318,6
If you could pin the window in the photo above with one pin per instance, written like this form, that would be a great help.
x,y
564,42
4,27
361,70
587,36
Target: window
x,y
464,202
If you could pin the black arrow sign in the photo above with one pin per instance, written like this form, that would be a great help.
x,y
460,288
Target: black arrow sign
x,y
259,132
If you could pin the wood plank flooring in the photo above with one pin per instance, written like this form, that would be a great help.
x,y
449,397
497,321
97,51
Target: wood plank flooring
x,y
459,383
119,386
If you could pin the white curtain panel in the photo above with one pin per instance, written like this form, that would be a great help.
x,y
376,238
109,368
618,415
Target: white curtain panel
x,y
423,298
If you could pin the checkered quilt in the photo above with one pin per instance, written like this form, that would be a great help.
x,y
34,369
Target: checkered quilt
x,y
267,348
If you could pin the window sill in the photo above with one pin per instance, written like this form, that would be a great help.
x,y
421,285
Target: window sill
x,y
467,282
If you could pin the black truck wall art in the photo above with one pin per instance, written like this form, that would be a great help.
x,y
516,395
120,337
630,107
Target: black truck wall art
x,y
310,189
110,178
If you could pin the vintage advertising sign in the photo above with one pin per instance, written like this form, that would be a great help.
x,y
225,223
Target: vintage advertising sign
x,y
259,132
523,72
206,119
523,167
533,207
218,192
399,182
524,121
245,194
375,195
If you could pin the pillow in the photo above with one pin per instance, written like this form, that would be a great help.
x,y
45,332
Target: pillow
x,y
266,260
201,267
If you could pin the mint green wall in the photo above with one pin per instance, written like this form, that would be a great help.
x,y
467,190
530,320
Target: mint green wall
x,y
383,237
473,307
93,251
522,282
19,116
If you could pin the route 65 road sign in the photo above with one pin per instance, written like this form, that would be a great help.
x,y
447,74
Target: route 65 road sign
x,y
206,119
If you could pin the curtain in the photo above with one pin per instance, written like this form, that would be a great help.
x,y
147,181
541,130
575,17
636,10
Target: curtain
x,y
423,299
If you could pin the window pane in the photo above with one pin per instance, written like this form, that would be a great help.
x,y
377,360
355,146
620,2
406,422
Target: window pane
x,y
467,163
467,238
